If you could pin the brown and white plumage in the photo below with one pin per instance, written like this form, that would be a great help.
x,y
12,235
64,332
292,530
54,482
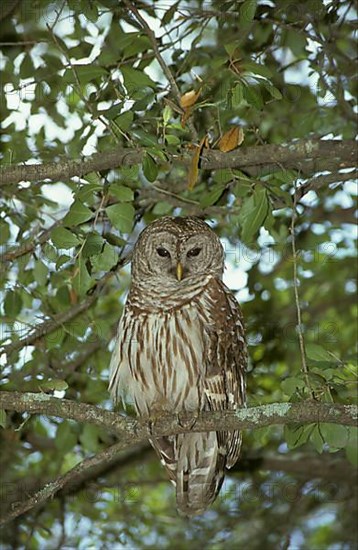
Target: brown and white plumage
x,y
180,348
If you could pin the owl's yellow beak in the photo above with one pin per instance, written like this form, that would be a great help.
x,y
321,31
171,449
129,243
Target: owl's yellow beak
x,y
179,271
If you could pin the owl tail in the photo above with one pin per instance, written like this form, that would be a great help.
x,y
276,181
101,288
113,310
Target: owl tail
x,y
195,463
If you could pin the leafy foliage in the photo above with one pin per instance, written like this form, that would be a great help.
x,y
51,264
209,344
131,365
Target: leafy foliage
x,y
84,77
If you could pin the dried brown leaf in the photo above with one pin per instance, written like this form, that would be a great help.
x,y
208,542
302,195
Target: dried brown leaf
x,y
194,165
231,139
185,116
189,98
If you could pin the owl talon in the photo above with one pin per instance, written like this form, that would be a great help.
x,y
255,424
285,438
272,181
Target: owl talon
x,y
187,420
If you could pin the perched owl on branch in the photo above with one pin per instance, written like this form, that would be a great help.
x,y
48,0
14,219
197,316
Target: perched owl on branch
x,y
181,349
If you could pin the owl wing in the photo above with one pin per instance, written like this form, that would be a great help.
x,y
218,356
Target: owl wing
x,y
226,362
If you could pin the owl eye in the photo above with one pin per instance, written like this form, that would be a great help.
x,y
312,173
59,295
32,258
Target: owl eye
x,y
163,252
193,252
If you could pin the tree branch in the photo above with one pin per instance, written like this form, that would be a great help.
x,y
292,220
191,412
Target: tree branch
x,y
303,155
173,85
132,431
325,180
166,70
299,327
50,325
64,482
328,467
29,245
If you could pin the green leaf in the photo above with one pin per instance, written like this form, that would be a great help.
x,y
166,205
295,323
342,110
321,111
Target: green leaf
x,y
27,69
124,121
213,195
89,438
70,460
4,232
335,435
253,96
169,14
230,48
76,328
352,446
106,260
172,140
256,68
296,41
167,114
93,245
81,281
162,208
94,180
316,439
150,168
65,438
85,73
253,213
133,43
2,418
40,273
275,92
223,175
247,13
296,435
121,192
318,353
134,79
290,385
114,111
285,176
77,214
88,191
121,216
63,238
237,95
12,303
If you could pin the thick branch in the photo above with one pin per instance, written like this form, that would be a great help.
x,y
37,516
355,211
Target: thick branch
x,y
132,431
328,467
63,483
303,155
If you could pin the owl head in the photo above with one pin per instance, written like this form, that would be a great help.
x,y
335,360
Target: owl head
x,y
176,249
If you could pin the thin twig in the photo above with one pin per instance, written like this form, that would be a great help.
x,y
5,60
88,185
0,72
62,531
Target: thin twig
x,y
88,104
30,245
166,70
301,340
158,55
325,180
50,325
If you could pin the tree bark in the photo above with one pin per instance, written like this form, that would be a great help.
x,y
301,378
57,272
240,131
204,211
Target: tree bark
x,y
303,155
132,431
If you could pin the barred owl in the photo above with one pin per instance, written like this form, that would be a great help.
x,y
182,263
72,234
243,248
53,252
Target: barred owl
x,y
181,349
